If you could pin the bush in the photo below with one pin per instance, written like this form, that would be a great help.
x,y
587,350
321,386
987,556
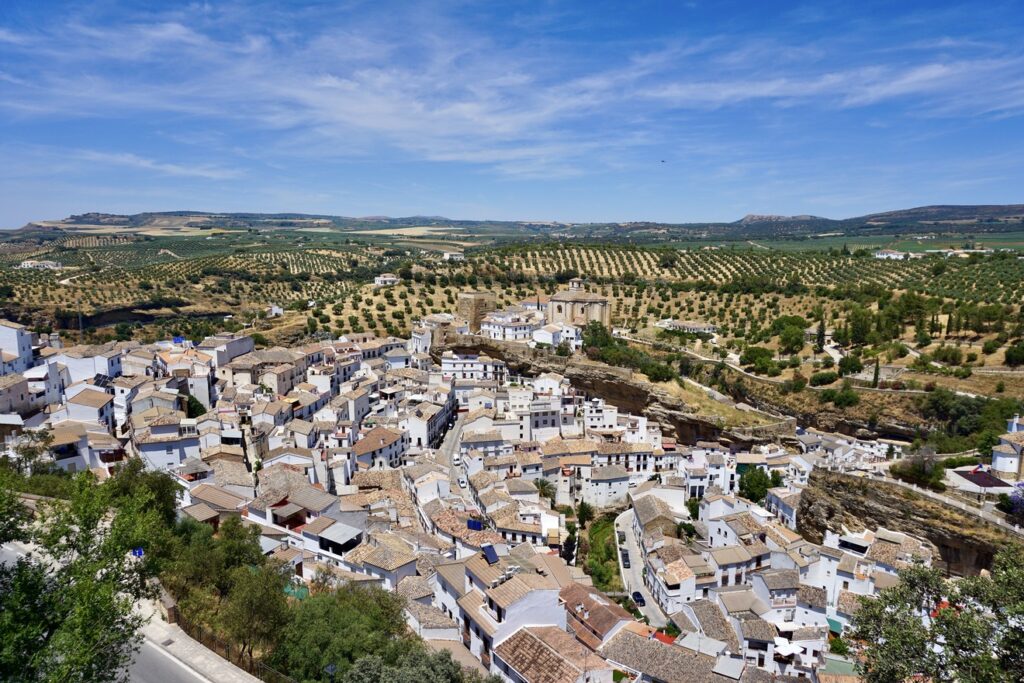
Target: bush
x,y
822,378
950,355
990,347
922,470
1015,355
850,365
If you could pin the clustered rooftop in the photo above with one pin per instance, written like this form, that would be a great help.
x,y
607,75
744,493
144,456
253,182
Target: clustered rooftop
x,y
364,460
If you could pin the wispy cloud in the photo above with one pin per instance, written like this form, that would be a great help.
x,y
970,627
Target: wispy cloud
x,y
135,161
221,91
452,94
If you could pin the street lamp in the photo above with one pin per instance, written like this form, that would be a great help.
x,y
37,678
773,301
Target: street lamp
x,y
330,670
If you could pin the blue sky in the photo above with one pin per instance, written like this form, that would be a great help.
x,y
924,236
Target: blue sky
x,y
589,111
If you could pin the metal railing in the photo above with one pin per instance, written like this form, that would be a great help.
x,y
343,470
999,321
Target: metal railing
x,y
234,654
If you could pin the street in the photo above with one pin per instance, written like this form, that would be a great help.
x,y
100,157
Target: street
x,y
155,665
449,447
633,578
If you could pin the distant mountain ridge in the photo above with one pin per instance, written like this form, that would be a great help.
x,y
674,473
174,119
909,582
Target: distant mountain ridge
x,y
936,218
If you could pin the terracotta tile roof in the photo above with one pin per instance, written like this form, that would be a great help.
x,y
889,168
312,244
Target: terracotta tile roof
x,y
217,497
848,602
546,655
668,663
428,616
780,579
593,610
414,587
375,439
713,623
812,595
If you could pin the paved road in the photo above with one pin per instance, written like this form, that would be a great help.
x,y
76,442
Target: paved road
x,y
449,447
633,578
152,663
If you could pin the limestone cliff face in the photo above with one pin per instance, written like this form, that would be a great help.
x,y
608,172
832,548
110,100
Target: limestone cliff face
x,y
621,387
965,543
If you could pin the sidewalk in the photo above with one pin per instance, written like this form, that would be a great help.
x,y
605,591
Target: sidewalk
x,y
204,663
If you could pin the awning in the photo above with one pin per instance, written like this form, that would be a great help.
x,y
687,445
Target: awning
x,y
834,625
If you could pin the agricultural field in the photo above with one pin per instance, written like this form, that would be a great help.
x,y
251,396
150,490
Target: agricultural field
x,y
323,281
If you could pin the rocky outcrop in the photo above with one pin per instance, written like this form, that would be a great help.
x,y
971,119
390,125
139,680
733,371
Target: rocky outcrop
x,y
965,543
621,387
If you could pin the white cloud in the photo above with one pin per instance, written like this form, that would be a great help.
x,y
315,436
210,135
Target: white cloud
x,y
135,161
436,90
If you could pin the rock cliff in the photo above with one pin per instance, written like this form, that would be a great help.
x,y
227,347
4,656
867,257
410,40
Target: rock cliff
x,y
621,387
965,543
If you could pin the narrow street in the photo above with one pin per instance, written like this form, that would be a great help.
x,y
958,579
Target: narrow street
x,y
449,447
633,578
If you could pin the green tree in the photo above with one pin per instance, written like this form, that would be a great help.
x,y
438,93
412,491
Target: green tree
x,y
819,340
30,448
925,626
791,339
133,477
850,365
340,628
193,408
693,507
67,610
584,513
1015,355
545,488
754,484
874,379
256,607
418,665
13,515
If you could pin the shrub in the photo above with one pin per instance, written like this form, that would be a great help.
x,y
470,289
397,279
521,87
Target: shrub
x,y
850,365
1015,355
822,378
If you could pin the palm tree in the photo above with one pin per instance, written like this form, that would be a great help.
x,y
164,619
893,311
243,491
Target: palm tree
x,y
546,489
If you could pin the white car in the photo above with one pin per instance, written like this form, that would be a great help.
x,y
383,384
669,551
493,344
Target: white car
x,y
456,460
463,483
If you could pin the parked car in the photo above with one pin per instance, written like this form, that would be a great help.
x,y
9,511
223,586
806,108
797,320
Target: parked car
x,y
639,599
625,560
456,460
463,483
622,536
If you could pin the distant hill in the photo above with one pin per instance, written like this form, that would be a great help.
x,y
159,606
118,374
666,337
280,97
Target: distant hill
x,y
947,212
945,219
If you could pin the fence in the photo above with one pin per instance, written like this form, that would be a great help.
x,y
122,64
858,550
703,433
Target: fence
x,y
211,641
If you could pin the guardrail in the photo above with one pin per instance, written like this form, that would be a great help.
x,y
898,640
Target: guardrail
x,y
988,516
